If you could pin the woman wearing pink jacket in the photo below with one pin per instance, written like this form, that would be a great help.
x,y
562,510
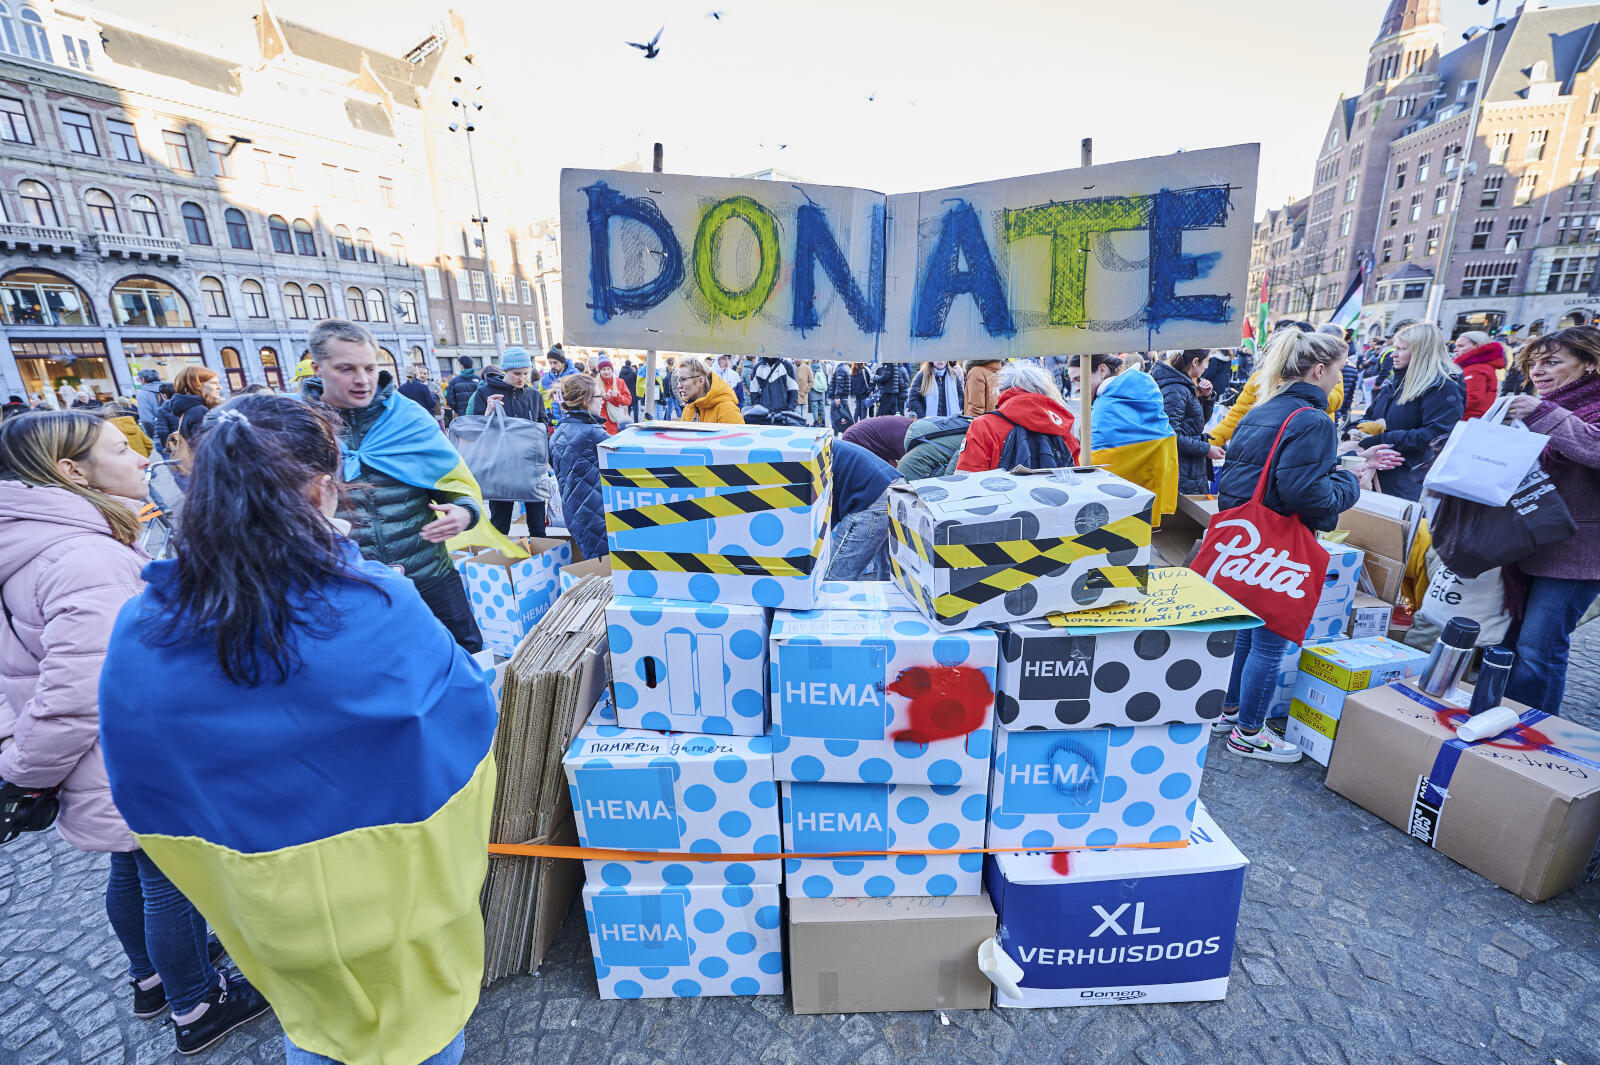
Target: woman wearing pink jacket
x,y
67,565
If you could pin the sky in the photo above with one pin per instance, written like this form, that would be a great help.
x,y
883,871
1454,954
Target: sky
x,y
891,95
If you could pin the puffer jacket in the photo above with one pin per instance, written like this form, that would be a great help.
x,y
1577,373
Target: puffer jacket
x,y
934,403
574,452
986,439
458,392
181,413
1223,432
1417,429
1306,480
526,402
717,405
1187,417
774,385
386,515
1478,377
64,579
891,390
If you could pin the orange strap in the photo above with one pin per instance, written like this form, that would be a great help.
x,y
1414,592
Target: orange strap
x,y
549,850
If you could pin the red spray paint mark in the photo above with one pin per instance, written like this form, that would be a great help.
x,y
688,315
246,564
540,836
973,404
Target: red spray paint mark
x,y
1061,862
946,701
1516,738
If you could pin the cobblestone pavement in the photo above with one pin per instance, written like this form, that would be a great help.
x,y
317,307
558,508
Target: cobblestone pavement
x,y
1356,945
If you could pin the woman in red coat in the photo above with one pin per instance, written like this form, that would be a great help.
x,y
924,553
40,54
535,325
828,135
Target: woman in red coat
x,y
1028,400
1479,359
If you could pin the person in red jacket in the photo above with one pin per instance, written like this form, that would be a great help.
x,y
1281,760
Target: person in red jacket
x,y
1479,359
1028,400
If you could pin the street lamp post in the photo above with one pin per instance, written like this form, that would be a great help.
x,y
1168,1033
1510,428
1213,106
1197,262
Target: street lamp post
x,y
467,125
1441,269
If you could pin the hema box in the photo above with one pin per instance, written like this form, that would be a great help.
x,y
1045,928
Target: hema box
x,y
977,547
1120,926
634,789
877,955
509,596
679,666
876,696
1338,595
829,817
1522,809
685,942
1095,787
717,513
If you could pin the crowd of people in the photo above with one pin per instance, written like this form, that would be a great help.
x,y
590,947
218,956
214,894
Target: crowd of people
x,y
317,531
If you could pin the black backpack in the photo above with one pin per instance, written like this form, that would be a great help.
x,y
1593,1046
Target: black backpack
x,y
1032,449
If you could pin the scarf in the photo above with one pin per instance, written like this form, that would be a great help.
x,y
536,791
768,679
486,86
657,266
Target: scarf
x,y
1582,398
948,399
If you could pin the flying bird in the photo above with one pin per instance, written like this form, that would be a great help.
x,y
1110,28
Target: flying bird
x,y
716,15
650,50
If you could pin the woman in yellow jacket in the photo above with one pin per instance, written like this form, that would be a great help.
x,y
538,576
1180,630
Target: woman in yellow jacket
x,y
706,396
1247,399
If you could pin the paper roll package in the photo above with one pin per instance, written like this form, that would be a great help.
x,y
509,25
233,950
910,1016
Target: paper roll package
x,y
509,596
995,547
1329,673
828,816
872,696
1100,927
729,514
1095,787
633,789
685,942
1338,595
679,666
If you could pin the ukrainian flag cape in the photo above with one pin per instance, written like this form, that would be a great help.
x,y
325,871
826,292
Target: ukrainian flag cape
x,y
334,828
1133,439
407,444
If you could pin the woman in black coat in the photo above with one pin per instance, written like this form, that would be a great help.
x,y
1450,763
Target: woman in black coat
x,y
1177,376
1415,409
1305,482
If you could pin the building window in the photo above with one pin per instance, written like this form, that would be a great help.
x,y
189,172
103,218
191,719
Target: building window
x,y
377,306
1495,279
37,205
1394,213
124,141
356,303
486,328
194,224
1350,188
1441,197
515,325
1405,245
1517,227
255,298
353,177
527,290
221,158
1452,159
1431,244
1535,149
233,368
1481,230
469,329
1583,142
480,287
1422,166
365,250
343,244
37,297
216,298
305,241
408,308
463,286
146,217
270,367
317,302
430,275
1525,188
1569,275
102,211
1414,290
238,228
33,36
1416,207
1399,176
397,250
386,191
178,156
294,300
78,132
1569,228
144,301
286,164
278,228
1491,191
1500,148
14,122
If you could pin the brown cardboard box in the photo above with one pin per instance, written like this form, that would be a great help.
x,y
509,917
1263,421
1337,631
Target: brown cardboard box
x,y
875,955
1370,616
1385,574
1517,812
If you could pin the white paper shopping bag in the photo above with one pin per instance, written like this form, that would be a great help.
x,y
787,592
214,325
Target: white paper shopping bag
x,y
1484,460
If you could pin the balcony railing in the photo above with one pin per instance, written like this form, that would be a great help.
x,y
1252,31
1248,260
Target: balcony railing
x,y
137,246
24,236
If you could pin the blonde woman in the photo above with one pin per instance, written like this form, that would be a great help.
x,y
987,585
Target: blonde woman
x,y
706,396
1415,409
939,391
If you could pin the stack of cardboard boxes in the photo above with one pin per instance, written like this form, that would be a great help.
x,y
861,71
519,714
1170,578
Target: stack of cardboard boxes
x,y
1329,673
510,595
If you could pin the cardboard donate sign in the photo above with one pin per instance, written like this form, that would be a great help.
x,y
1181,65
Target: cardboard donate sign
x,y
1148,253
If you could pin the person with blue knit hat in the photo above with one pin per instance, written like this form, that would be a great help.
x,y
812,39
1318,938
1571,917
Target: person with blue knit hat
x,y
510,389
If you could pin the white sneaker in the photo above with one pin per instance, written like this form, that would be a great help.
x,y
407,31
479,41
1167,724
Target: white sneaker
x,y
1265,745
1226,722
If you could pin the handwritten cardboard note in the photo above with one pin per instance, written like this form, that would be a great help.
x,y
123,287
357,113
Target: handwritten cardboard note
x,y
1177,596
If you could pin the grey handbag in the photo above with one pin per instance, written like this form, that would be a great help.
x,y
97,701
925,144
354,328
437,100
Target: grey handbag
x,y
509,457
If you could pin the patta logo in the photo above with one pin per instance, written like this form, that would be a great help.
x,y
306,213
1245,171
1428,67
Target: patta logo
x,y
1242,559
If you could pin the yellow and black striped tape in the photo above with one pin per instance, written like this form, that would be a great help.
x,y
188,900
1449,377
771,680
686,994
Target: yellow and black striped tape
x,y
906,535
727,565
751,502
953,604
728,475
912,586
1126,534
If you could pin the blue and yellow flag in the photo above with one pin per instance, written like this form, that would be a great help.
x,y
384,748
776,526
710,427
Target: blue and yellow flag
x,y
1133,439
407,444
333,829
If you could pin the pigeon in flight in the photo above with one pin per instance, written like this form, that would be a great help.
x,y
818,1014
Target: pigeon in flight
x,y
716,15
650,50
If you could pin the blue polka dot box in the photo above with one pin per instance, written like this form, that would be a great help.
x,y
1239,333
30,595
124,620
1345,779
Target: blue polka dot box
x,y
685,942
829,817
732,514
634,789
878,696
1095,787
678,666
509,596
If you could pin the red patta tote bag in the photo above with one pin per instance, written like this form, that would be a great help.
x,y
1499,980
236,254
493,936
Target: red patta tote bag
x,y
1270,562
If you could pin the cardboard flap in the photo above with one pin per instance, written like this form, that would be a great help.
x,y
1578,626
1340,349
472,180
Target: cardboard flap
x,y
1209,850
1175,597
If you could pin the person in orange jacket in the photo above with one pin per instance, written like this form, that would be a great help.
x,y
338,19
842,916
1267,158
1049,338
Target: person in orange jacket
x,y
706,396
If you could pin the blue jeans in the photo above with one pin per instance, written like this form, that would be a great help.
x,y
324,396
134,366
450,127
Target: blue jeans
x,y
450,1055
1539,676
818,402
1256,655
160,930
861,544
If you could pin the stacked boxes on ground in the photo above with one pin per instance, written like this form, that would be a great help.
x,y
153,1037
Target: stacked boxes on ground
x,y
1329,673
1330,621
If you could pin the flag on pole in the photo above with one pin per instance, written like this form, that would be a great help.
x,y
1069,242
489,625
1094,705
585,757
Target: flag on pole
x,y
1349,310
1261,314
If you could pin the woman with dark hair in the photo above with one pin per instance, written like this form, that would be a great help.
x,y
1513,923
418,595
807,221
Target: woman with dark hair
x,y
1555,586
575,454
1177,375
322,787
67,565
